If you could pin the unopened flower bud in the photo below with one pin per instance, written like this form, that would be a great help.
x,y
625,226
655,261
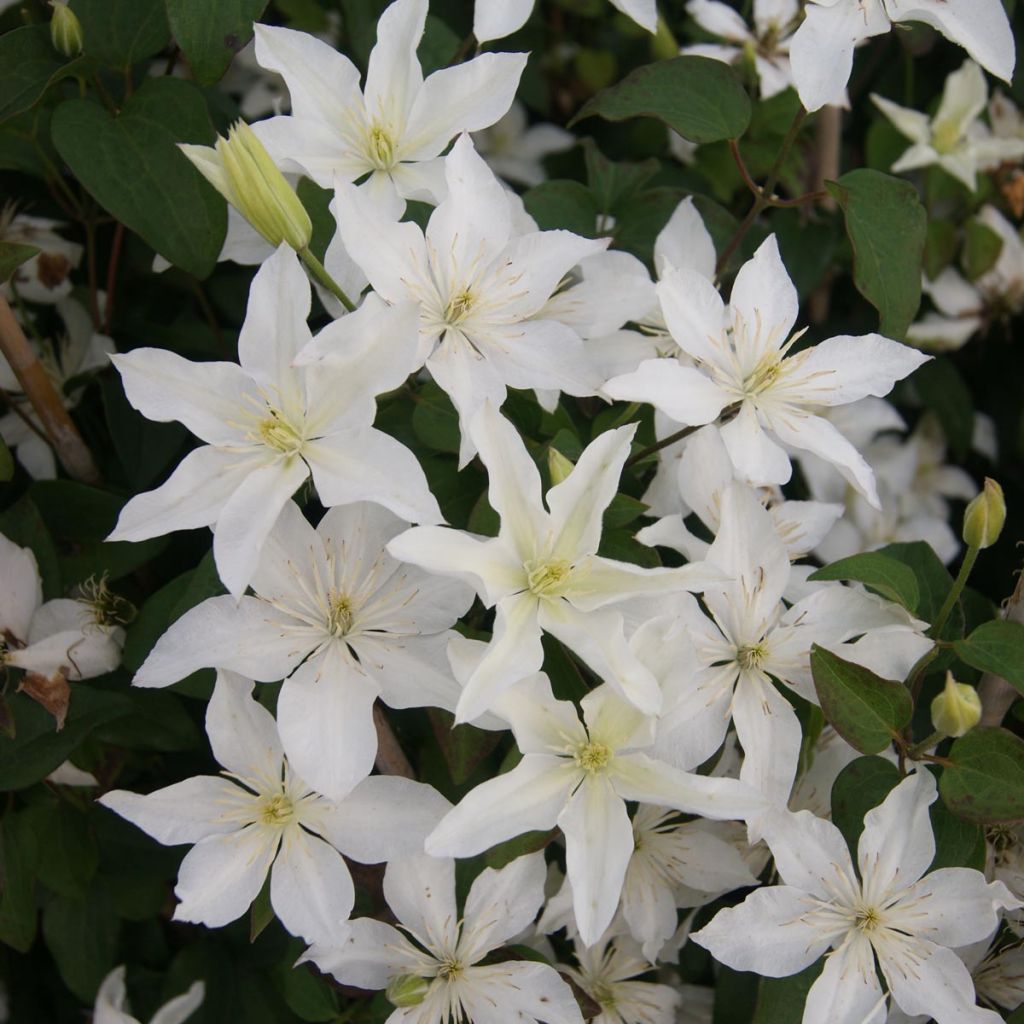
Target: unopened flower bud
x,y
406,990
65,29
559,467
240,168
985,515
957,710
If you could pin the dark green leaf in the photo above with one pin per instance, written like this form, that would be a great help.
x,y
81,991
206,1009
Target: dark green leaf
x,y
861,785
939,248
438,46
435,420
612,183
622,510
211,34
28,64
997,647
23,524
152,621
982,247
958,843
882,574
933,583
504,853
37,748
12,255
307,994
865,709
563,204
158,721
943,390
18,849
781,1000
985,782
701,99
67,851
261,913
462,746
121,32
132,166
886,225
82,936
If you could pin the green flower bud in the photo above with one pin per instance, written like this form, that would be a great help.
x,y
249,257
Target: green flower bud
x,y
957,710
240,168
65,29
985,515
406,990
559,467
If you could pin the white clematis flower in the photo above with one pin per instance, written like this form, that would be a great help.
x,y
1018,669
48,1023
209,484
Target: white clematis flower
x,y
342,622
515,150
954,139
396,128
432,968
578,775
262,817
495,19
889,909
112,1003
542,572
269,425
822,48
45,277
740,356
480,287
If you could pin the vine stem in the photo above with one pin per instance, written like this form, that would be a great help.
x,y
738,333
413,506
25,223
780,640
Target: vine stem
x,y
957,589
319,273
58,426
391,759
677,436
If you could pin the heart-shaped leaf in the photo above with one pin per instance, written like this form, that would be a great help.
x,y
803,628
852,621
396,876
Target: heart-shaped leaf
x,y
211,34
132,166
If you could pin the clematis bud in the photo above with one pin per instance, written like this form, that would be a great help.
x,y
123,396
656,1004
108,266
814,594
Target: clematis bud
x,y
984,517
559,467
240,168
957,710
406,990
65,29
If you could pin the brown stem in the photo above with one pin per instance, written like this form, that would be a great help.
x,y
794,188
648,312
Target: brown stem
x,y
759,193
391,759
16,408
725,414
60,430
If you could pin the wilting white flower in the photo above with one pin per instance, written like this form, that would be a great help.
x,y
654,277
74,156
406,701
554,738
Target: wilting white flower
x,y
954,138
259,816
889,909
342,622
495,19
45,277
432,968
578,775
741,359
479,287
396,128
268,425
766,45
515,150
112,1003
822,47
542,571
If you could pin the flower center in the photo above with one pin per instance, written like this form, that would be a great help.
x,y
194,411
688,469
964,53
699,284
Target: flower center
x,y
603,995
763,377
276,810
382,148
593,757
340,614
548,579
276,432
752,656
108,608
945,136
458,308
449,969
868,919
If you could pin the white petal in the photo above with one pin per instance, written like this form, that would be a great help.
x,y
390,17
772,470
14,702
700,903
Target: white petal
x,y
810,853
847,990
495,19
694,312
541,724
242,733
369,956
501,904
598,845
410,671
681,392
393,74
179,1009
325,718
186,812
421,892
763,304
758,459
513,993
719,19
311,888
383,818
913,124
769,731
685,243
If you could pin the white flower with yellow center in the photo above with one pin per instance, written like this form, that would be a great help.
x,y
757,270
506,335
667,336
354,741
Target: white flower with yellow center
x,y
397,126
888,908
259,816
542,571
740,356
578,776
269,425
342,622
430,965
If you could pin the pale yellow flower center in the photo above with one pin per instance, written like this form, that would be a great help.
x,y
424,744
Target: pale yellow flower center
x,y
458,308
449,969
276,810
276,432
752,656
763,376
340,614
547,579
382,148
945,136
868,919
593,757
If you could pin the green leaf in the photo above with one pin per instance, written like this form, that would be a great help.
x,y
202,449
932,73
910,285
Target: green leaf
x,y
18,858
781,1000
121,32
211,34
261,913
939,248
701,99
12,255
865,709
958,843
882,574
933,584
997,647
37,749
563,204
861,785
438,46
613,183
462,746
307,994
158,721
23,524
435,420
132,166
67,851
28,64
82,936
886,225
6,462
985,781
943,390
982,247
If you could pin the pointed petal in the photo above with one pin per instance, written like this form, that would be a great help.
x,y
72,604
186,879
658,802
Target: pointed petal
x,y
393,73
179,1009
912,124
769,731
685,243
541,724
810,853
369,956
517,992
495,19
681,392
763,304
22,592
501,904
421,892
410,671
694,312
242,733
847,990
757,458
